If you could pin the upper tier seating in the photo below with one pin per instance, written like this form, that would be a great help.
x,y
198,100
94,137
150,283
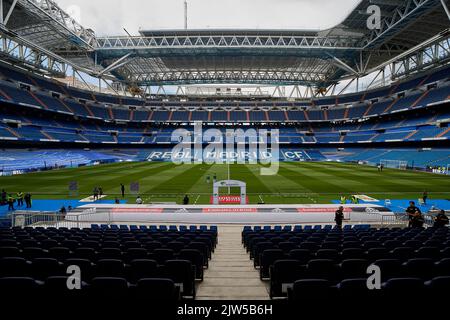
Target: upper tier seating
x,y
90,109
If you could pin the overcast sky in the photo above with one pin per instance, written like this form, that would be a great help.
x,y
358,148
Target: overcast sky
x,y
109,17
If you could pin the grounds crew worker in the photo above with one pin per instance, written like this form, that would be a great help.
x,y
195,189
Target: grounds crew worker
x,y
355,200
343,200
20,196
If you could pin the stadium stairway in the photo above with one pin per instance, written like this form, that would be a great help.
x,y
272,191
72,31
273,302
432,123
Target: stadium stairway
x,y
231,275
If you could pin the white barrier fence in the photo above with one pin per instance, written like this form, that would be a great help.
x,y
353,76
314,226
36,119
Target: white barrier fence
x,y
58,220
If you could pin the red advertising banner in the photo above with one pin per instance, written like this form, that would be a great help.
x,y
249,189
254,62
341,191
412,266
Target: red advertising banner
x,y
229,210
229,200
321,210
137,210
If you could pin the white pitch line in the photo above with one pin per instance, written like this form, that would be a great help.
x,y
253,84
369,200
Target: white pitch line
x,y
196,200
91,198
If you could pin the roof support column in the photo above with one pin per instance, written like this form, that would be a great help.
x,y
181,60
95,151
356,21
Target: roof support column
x,y
446,9
8,15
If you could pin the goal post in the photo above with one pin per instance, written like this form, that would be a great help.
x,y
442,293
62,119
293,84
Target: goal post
x,y
394,164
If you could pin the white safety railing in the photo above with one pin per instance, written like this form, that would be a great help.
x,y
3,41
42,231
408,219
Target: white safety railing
x,y
82,219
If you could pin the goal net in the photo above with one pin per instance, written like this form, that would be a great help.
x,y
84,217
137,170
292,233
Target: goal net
x,y
395,164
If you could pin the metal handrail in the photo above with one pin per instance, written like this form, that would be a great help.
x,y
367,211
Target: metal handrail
x,y
56,219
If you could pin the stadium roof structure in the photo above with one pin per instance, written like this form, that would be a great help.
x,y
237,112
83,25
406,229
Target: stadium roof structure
x,y
414,34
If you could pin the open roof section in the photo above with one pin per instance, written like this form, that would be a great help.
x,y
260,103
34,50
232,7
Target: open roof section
x,y
275,57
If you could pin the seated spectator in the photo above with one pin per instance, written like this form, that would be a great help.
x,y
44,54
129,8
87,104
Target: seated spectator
x,y
441,220
417,219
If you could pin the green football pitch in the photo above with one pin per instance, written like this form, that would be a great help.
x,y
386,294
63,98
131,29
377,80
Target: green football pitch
x,y
295,182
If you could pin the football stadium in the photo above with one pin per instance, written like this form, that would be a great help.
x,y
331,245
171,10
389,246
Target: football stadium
x,y
271,168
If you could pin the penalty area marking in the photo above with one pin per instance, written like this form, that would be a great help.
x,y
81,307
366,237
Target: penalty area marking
x,y
365,198
312,199
91,198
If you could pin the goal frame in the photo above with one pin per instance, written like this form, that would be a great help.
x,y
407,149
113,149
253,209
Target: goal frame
x,y
394,164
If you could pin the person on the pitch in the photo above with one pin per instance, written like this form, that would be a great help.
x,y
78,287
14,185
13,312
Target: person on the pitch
x,y
425,197
95,192
122,190
186,200
4,197
20,196
10,203
339,217
139,200
28,200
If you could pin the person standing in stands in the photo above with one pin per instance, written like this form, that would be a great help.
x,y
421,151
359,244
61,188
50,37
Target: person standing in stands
x,y
28,200
186,200
10,203
410,211
122,190
425,197
339,217
441,220
20,199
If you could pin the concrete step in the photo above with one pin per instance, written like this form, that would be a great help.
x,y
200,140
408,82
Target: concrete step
x,y
231,275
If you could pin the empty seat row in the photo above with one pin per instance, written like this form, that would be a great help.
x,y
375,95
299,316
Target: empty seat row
x,y
55,289
265,255
195,256
285,272
309,292
182,272
181,228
